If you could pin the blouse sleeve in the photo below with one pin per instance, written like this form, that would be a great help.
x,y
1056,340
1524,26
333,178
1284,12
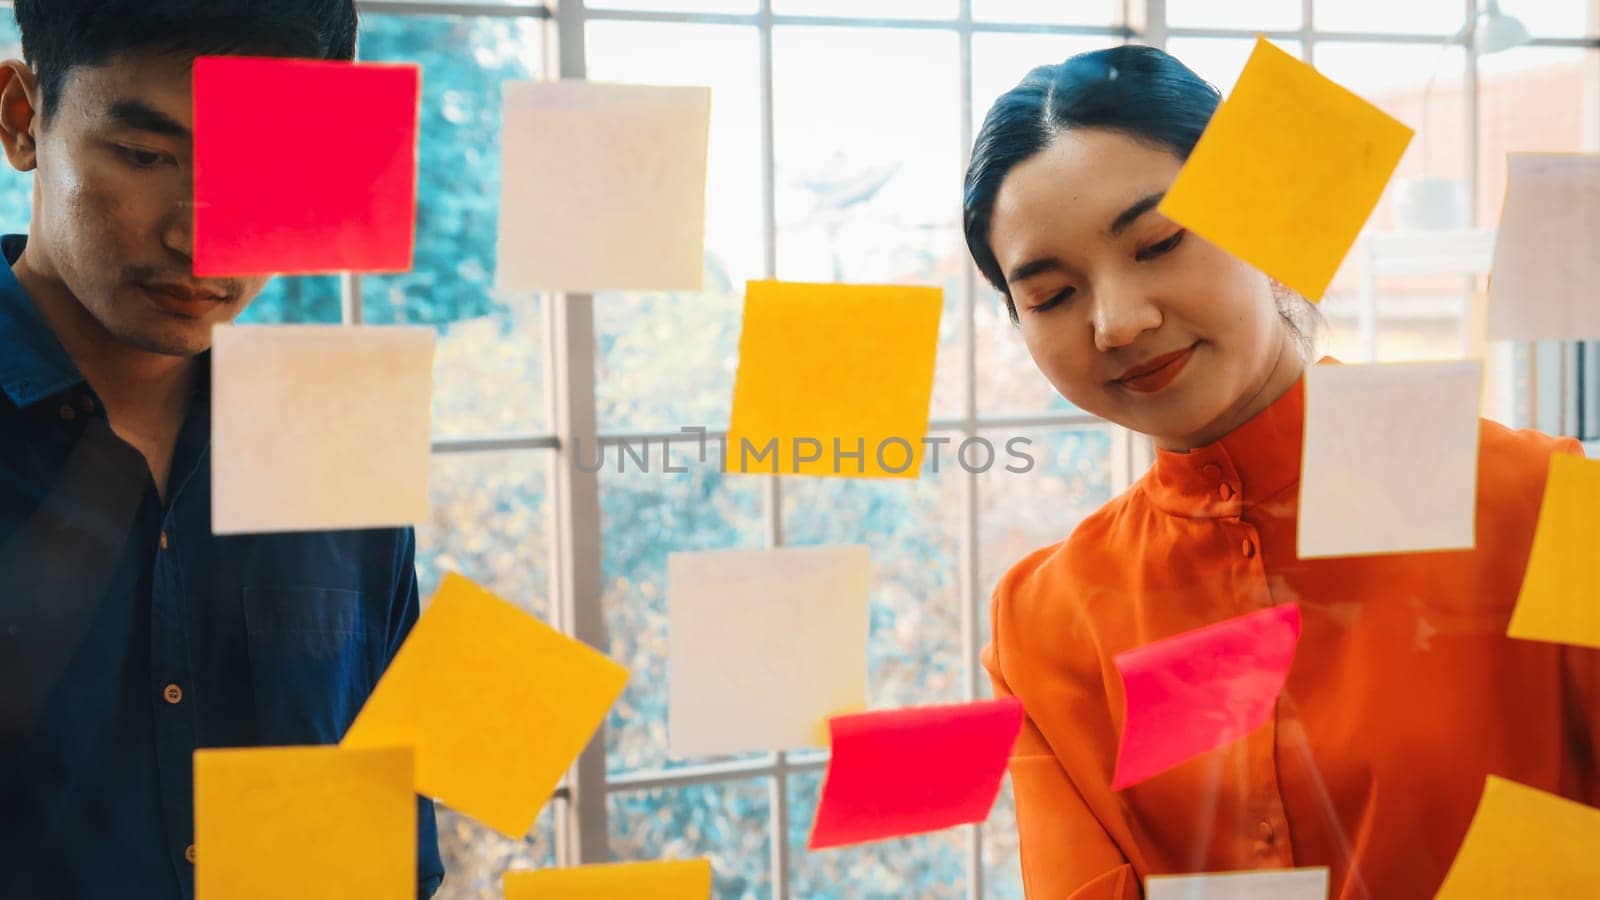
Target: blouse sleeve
x,y
1066,852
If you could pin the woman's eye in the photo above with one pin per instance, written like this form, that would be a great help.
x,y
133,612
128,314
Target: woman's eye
x,y
1157,249
1054,300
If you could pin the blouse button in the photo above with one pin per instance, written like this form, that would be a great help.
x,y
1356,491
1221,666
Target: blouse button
x,y
1265,831
1225,491
1248,548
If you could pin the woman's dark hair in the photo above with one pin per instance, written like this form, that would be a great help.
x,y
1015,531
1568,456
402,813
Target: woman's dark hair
x,y
1138,91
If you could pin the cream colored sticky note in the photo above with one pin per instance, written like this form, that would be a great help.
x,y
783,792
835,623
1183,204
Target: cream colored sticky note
x,y
317,823
686,880
834,379
1560,597
1390,462
764,646
1288,171
618,203
319,427
1278,884
1524,842
497,704
1543,284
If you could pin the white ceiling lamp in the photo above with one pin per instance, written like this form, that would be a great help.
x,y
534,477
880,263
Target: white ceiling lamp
x,y
1493,31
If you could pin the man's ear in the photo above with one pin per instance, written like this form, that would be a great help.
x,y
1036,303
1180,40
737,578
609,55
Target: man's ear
x,y
19,114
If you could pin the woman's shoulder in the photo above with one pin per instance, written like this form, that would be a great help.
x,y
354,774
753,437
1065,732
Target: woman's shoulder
x,y
1035,589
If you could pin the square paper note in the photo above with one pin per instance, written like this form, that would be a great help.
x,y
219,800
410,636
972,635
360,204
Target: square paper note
x,y
1560,597
331,188
1390,463
833,379
617,202
318,427
1545,284
675,880
765,646
1288,171
1524,842
1289,884
496,703
331,823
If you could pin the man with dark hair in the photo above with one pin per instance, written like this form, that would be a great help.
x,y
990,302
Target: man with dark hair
x,y
130,636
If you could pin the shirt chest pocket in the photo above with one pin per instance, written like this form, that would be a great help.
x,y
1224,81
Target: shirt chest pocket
x,y
312,662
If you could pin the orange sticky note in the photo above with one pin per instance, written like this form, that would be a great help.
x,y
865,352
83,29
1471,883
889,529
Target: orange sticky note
x,y
1524,842
685,880
1560,597
335,823
1288,171
833,379
497,704
334,190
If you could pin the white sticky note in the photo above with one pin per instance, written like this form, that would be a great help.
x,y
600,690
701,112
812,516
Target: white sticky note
x,y
1545,281
1390,463
1279,884
319,427
618,203
764,646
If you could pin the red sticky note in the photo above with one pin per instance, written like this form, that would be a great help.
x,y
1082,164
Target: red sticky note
x,y
905,771
303,166
1194,692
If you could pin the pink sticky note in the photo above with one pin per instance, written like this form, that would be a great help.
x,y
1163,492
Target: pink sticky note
x,y
905,771
303,166
1194,692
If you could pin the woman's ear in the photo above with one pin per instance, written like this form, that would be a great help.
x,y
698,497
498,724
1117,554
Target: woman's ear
x,y
19,114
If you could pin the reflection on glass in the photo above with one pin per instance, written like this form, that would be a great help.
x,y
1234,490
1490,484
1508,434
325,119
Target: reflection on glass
x,y
491,523
475,856
645,516
868,167
668,360
929,867
914,653
727,822
489,371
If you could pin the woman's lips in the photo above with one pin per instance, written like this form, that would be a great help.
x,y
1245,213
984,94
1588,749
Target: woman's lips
x,y
1156,374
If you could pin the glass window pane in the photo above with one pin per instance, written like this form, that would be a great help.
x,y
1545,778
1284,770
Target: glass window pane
x,y
490,521
1002,859
1556,18
1538,99
692,6
869,167
1008,382
476,856
667,360
489,373
868,9
1259,15
727,821
914,652
301,299
644,516
1439,17
928,867
1077,12
1220,60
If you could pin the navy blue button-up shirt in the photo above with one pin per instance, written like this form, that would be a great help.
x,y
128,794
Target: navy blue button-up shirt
x,y
130,635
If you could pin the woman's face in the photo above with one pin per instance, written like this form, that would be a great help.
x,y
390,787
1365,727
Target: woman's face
x,y
1131,317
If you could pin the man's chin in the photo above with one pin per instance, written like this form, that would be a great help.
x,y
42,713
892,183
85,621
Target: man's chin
x,y
187,339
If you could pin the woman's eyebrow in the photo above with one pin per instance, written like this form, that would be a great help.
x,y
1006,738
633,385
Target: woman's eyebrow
x,y
1033,267
1131,214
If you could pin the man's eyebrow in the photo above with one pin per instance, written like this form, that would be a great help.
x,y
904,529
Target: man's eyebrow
x,y
144,117
1131,214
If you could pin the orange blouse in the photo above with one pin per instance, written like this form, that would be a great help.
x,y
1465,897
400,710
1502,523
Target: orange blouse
x,y
1404,695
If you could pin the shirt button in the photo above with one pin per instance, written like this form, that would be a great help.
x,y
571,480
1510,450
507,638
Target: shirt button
x,y
68,413
172,694
188,853
163,540
1225,491
1248,548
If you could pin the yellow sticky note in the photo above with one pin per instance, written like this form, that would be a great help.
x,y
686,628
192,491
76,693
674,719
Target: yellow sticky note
x,y
496,703
1560,597
834,379
1288,171
1524,842
318,823
687,880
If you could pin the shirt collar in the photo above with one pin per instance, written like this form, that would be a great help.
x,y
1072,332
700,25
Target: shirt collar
x,y
1250,465
34,365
